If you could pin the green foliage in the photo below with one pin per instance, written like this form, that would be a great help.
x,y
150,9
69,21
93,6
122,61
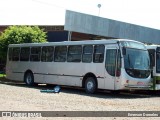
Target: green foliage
x,y
20,34
2,75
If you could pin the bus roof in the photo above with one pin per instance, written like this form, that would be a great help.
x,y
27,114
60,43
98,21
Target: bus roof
x,y
85,42
152,46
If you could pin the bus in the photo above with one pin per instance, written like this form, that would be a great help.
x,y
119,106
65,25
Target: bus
x,y
115,64
154,53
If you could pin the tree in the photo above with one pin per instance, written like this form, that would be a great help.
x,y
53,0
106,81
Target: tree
x,y
20,34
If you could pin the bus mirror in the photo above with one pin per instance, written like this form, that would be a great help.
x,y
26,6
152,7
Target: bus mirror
x,y
124,51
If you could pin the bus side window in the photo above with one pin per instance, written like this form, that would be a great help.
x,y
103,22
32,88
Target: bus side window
x,y
35,54
98,55
25,53
15,54
60,53
47,54
74,53
87,53
10,54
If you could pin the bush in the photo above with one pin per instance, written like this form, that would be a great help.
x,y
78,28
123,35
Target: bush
x,y
20,34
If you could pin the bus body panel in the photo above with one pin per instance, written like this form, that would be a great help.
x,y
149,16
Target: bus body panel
x,y
155,74
56,73
129,82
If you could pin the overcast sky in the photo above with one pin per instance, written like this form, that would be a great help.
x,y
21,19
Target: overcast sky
x,y
52,12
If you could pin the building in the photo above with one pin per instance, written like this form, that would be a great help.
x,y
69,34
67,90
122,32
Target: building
x,y
56,33
103,27
79,26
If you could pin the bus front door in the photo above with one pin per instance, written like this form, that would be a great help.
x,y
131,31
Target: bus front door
x,y
111,72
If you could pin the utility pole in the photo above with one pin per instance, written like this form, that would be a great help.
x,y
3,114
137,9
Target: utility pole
x,y
99,6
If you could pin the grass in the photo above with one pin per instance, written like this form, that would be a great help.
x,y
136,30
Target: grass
x,y
2,75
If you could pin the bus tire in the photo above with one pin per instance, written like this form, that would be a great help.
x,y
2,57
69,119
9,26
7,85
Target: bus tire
x,y
29,79
90,85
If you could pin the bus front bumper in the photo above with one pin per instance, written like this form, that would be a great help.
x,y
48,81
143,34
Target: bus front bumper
x,y
137,87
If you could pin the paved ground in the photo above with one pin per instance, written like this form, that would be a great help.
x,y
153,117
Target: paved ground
x,y
19,97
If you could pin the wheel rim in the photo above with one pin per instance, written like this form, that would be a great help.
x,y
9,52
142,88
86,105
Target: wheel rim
x,y
90,85
28,79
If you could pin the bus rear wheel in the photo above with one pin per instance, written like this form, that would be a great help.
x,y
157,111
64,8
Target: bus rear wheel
x,y
29,79
90,85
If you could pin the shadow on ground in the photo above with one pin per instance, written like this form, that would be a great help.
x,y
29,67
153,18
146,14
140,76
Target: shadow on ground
x,y
80,91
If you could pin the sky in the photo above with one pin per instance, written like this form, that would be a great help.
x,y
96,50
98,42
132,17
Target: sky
x,y
52,12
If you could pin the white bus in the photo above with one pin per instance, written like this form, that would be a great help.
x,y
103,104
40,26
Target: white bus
x,y
99,64
154,53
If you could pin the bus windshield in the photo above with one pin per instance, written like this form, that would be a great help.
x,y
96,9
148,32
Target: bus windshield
x,y
137,63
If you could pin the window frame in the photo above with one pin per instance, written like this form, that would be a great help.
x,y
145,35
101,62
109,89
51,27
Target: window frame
x,y
98,54
35,54
87,54
25,54
10,53
72,53
116,63
18,55
61,57
48,57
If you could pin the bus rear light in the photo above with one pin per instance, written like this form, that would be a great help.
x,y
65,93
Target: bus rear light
x,y
140,83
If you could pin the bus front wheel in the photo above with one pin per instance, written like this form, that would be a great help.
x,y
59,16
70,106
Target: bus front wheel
x,y
90,85
29,79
